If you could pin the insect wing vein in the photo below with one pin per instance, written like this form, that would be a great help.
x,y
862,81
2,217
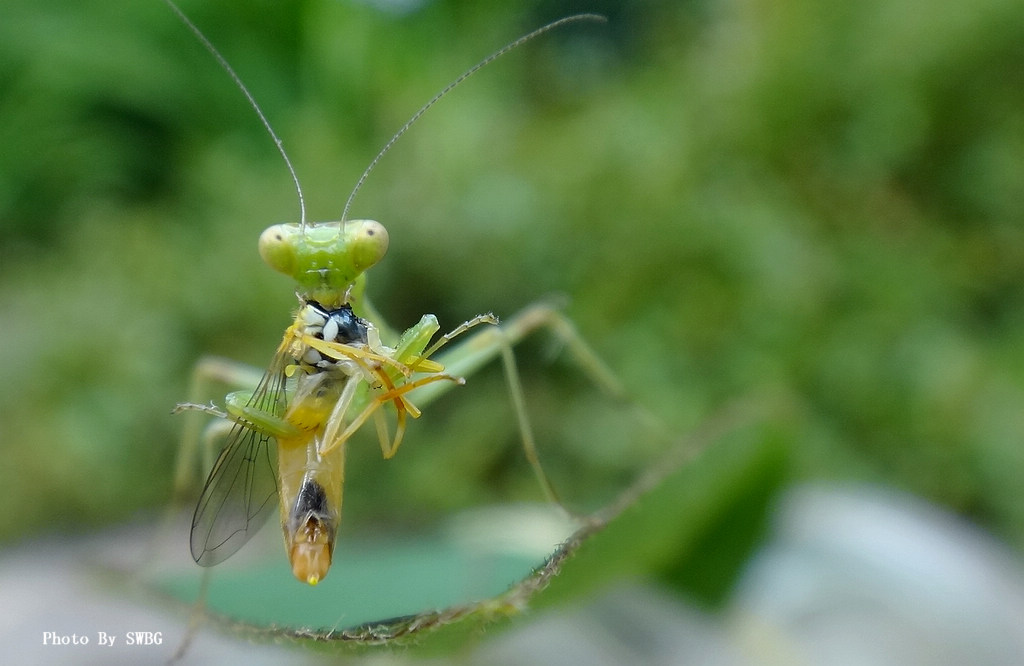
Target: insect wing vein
x,y
239,493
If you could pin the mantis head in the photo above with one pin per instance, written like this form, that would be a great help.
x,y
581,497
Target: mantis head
x,y
326,259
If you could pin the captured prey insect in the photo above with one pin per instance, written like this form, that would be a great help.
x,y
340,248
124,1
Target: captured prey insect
x,y
336,369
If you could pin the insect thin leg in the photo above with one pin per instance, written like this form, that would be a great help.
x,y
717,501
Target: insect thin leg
x,y
195,620
486,345
396,395
487,318
515,388
208,372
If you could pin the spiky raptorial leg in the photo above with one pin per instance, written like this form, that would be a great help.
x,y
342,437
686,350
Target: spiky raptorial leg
x,y
408,358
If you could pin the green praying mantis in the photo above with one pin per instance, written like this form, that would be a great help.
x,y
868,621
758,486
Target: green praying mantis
x,y
338,368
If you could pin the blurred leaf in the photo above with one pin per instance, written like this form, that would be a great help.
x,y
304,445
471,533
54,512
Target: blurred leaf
x,y
698,486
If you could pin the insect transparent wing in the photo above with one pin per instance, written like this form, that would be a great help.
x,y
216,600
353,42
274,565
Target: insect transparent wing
x,y
240,491
238,497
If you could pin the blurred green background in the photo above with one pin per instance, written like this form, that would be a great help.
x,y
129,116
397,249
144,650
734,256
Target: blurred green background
x,y
818,199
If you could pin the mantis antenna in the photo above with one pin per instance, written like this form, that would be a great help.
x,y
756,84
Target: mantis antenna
x,y
402,130
462,77
252,102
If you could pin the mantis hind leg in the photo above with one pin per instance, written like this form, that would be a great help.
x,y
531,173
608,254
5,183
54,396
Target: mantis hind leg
x,y
483,346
